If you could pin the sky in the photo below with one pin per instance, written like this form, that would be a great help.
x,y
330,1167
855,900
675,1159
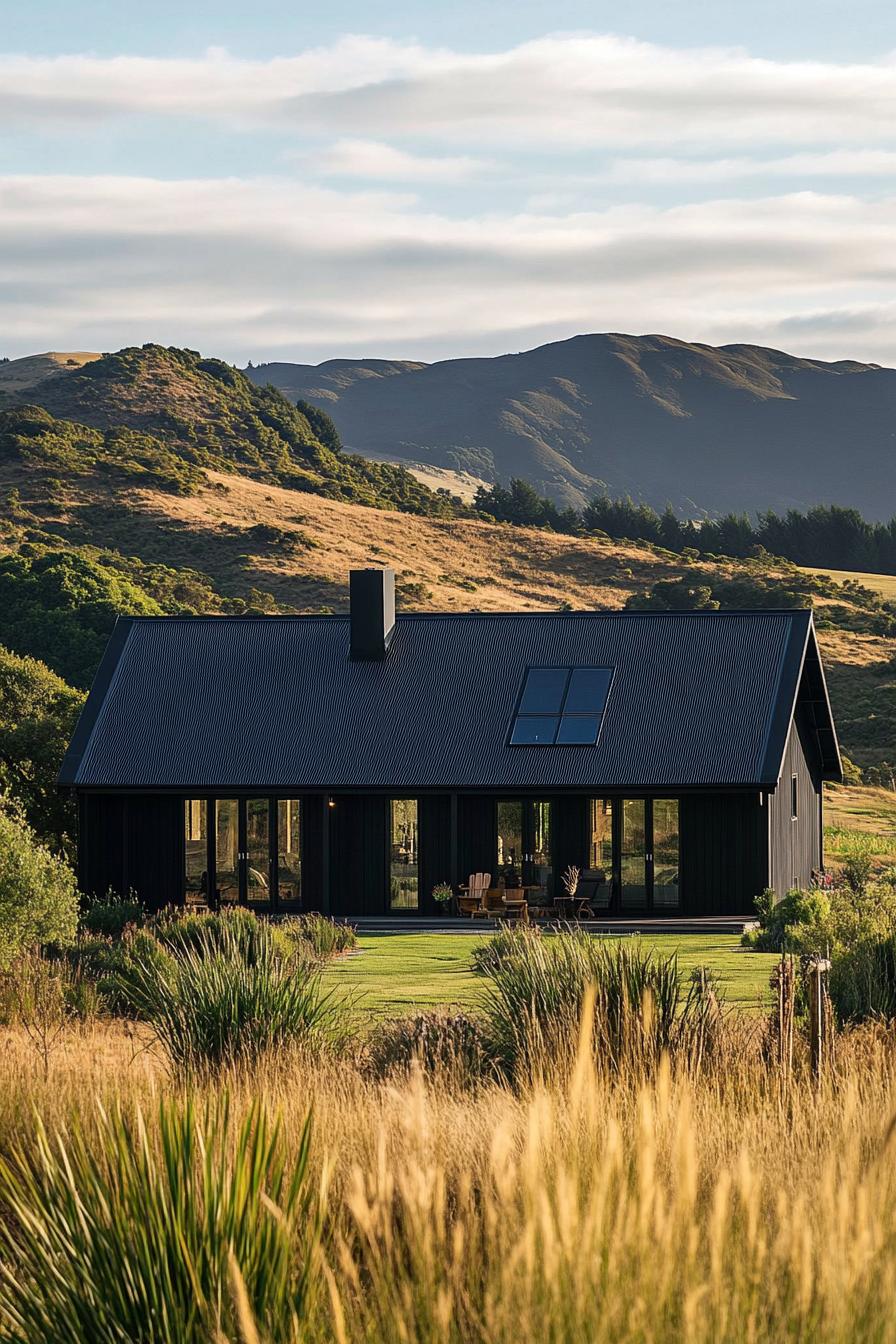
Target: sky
x,y
274,180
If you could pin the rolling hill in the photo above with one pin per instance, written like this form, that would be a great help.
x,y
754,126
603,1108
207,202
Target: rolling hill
x,y
156,480
709,429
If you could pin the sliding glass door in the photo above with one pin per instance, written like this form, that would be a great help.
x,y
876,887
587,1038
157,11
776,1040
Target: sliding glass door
x,y
665,854
253,848
634,846
257,852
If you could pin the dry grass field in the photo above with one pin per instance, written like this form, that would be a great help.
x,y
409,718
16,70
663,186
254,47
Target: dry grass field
x,y
885,584
719,1207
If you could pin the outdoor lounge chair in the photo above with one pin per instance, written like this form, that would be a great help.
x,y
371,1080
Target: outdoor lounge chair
x,y
472,901
593,893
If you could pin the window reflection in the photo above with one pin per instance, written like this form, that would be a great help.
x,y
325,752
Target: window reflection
x,y
258,852
196,851
403,868
289,853
665,852
227,880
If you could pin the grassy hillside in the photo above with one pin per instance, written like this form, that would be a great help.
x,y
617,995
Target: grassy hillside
x,y
162,401
884,584
18,374
737,427
88,532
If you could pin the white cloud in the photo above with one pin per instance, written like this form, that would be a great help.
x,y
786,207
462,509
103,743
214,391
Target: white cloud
x,y
563,91
374,159
834,163
255,268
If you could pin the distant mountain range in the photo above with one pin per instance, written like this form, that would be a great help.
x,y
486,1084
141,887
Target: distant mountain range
x,y
706,428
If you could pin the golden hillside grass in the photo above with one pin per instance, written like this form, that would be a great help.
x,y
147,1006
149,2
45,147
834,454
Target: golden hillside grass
x,y
885,584
730,1207
26,372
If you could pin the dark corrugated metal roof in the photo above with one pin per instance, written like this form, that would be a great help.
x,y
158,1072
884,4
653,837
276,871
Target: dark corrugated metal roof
x,y
698,699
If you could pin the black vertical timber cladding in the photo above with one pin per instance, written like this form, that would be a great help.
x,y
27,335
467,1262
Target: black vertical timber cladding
x,y
477,843
132,843
570,840
723,853
795,844
434,817
359,855
154,843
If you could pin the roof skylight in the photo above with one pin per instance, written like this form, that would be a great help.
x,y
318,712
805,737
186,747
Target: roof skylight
x,y
561,706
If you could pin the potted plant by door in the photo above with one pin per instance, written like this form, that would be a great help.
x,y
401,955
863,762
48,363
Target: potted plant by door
x,y
443,895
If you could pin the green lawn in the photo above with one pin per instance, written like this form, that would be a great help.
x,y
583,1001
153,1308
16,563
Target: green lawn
x,y
394,974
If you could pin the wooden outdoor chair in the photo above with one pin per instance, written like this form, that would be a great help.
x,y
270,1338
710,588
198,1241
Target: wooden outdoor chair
x,y
492,903
471,902
515,906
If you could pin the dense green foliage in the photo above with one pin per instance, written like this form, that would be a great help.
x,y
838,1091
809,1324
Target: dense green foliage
x,y
163,414
60,606
827,536
114,1236
539,995
38,894
693,592
38,712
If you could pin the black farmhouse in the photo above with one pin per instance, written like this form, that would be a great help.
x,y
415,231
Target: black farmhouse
x,y
350,763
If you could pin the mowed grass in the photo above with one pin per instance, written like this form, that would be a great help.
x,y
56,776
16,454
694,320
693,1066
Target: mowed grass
x,y
395,974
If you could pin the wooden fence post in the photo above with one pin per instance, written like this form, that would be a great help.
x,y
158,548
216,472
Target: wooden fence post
x,y
820,1024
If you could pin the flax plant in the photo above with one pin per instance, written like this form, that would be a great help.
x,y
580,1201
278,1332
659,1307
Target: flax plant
x,y
221,999
129,1230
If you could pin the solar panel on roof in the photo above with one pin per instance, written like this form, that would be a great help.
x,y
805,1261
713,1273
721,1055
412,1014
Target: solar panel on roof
x,y
561,706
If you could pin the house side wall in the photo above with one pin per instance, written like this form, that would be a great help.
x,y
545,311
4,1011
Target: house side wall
x,y
132,843
795,849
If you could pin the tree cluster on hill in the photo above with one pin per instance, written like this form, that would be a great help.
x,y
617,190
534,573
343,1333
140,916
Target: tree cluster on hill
x,y
826,536
169,413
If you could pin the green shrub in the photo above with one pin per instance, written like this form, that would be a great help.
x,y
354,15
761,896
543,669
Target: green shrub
x,y
225,996
863,980
110,915
451,1046
798,922
323,937
237,932
38,895
857,872
128,1234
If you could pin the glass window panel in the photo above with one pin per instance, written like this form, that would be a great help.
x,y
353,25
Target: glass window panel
x,y
588,687
601,856
227,879
543,692
510,843
258,852
578,730
289,852
665,853
633,854
541,872
403,857
196,851
534,732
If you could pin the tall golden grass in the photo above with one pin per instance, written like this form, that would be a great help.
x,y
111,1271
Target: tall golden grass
x,y
650,1206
